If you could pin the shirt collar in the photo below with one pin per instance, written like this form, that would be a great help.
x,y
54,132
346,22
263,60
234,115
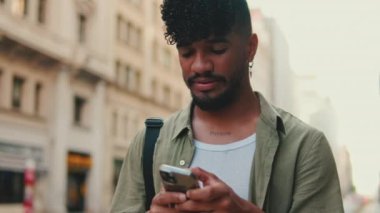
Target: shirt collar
x,y
183,121
270,115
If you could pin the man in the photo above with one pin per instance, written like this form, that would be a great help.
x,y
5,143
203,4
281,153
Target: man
x,y
254,157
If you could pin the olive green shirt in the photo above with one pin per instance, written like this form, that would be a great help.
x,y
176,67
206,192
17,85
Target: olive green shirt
x,y
293,168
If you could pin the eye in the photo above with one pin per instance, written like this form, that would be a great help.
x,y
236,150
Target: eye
x,y
185,52
219,49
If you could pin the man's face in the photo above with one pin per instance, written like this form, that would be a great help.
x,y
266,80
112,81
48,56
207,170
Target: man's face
x,y
214,69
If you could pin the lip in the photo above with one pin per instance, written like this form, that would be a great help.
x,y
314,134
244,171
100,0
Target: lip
x,y
204,85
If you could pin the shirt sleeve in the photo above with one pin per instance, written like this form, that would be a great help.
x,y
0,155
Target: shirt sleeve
x,y
130,192
317,187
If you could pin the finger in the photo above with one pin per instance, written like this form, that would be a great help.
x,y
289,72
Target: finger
x,y
203,175
162,209
167,198
195,206
209,193
213,187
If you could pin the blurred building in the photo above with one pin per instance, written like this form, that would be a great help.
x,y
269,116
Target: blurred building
x,y
272,74
77,80
262,71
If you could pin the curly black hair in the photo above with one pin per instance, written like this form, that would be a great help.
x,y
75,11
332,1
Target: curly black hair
x,y
192,20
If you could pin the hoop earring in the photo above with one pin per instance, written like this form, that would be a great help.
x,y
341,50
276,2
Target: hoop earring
x,y
250,68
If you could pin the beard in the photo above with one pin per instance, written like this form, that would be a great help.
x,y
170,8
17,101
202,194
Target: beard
x,y
207,102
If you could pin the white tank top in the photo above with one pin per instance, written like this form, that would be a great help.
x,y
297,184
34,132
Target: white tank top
x,y
231,162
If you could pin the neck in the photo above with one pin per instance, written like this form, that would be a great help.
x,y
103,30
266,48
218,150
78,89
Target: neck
x,y
231,123
247,103
239,109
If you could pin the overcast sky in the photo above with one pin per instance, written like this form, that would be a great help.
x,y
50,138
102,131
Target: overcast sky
x,y
339,42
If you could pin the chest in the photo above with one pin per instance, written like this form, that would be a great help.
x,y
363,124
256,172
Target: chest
x,y
231,163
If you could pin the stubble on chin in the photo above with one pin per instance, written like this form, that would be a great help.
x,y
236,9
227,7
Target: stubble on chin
x,y
208,103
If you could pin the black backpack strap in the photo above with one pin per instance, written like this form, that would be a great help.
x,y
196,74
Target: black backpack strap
x,y
153,126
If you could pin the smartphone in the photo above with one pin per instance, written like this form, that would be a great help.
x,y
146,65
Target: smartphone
x,y
177,179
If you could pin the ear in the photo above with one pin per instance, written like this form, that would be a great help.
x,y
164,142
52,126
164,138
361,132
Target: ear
x,y
253,43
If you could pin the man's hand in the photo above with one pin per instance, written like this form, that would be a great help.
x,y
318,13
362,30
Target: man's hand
x,y
215,196
165,202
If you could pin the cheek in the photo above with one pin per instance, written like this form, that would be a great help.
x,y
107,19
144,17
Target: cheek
x,y
226,64
238,60
185,67
184,70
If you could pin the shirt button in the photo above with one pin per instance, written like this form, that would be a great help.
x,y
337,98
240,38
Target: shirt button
x,y
182,162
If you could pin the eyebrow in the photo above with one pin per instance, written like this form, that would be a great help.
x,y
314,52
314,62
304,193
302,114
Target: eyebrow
x,y
213,40
218,40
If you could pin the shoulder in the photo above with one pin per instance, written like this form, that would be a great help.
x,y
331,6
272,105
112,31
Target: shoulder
x,y
316,183
173,125
296,128
308,144
136,146
301,138
275,119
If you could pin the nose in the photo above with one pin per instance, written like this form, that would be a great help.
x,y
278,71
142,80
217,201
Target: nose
x,y
201,64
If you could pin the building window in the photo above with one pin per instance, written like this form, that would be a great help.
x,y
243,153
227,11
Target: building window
x,y
37,98
122,30
118,72
82,22
79,105
19,7
119,26
128,77
79,165
18,84
114,124
41,11
128,32
11,187
134,36
137,81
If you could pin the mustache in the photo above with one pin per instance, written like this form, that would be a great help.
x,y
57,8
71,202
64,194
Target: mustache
x,y
208,75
